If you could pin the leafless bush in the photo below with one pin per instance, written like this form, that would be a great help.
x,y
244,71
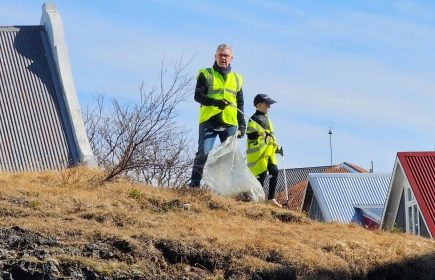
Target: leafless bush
x,y
142,140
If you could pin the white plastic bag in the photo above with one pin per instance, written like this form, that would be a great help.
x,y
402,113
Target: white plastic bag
x,y
226,172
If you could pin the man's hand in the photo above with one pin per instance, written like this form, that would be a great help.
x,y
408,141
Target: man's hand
x,y
240,133
221,104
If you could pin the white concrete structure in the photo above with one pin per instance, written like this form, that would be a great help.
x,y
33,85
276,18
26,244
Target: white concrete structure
x,y
52,22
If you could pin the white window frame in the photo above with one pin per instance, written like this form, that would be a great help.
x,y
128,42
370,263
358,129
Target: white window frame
x,y
412,211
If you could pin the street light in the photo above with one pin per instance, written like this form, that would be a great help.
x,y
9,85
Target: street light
x,y
330,142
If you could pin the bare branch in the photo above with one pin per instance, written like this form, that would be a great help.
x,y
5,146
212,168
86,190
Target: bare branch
x,y
142,139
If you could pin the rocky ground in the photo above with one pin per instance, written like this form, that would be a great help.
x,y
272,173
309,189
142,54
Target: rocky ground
x,y
26,255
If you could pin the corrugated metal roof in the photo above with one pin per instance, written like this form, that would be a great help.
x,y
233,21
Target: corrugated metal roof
x,y
419,168
337,194
294,176
377,211
296,193
35,130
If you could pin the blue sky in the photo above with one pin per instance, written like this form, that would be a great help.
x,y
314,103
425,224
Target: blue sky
x,y
363,68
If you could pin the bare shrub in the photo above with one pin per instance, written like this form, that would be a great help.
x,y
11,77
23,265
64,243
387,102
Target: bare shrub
x,y
142,140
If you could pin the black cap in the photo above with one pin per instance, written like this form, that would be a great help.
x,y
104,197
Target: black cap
x,y
263,98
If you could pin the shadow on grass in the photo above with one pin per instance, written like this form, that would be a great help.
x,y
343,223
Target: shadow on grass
x,y
422,267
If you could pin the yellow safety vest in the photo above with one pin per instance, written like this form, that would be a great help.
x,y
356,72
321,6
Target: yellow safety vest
x,y
259,151
218,88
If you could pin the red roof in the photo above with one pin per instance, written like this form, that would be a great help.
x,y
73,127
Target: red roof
x,y
295,196
419,168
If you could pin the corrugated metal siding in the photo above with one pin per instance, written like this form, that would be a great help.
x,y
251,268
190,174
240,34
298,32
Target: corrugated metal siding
x,y
419,168
338,193
35,131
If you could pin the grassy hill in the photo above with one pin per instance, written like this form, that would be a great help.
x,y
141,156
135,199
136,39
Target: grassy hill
x,y
123,230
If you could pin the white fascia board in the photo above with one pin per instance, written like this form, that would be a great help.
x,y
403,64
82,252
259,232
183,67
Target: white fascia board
x,y
52,23
392,202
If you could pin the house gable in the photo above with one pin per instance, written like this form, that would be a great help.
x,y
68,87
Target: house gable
x,y
419,169
413,177
338,194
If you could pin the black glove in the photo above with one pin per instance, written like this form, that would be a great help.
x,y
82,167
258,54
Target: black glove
x,y
219,103
280,151
241,133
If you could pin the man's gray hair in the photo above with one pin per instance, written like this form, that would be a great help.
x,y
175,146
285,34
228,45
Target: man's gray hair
x,y
223,47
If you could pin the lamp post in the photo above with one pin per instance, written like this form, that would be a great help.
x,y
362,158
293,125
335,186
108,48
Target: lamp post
x,y
330,143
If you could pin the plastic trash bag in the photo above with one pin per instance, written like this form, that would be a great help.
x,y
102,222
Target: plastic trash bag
x,y
225,172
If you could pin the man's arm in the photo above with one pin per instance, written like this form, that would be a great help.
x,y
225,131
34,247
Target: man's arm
x,y
201,91
240,117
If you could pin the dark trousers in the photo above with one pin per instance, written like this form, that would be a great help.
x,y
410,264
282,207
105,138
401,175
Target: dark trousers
x,y
273,173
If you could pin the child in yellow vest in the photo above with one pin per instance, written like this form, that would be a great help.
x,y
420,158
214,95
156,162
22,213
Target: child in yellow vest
x,y
261,146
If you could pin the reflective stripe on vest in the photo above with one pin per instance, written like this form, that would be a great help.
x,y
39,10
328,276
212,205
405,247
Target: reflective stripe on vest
x,y
218,88
258,152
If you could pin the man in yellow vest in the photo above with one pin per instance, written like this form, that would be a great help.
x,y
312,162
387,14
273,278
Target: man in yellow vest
x,y
261,146
215,88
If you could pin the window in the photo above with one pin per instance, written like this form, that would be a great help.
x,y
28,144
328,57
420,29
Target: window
x,y
412,211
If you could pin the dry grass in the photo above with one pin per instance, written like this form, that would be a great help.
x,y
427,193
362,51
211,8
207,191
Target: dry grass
x,y
215,237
